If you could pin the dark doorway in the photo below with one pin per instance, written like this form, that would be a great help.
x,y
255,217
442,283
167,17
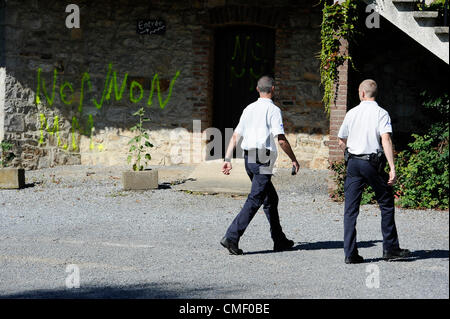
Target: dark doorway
x,y
242,55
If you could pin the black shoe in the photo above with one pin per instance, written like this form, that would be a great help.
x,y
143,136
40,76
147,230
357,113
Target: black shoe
x,y
283,245
231,246
396,254
356,259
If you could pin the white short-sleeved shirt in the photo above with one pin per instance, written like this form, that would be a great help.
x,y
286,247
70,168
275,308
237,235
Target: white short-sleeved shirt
x,y
260,122
363,126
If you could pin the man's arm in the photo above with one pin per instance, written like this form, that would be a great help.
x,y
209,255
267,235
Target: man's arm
x,y
386,141
286,147
226,167
342,143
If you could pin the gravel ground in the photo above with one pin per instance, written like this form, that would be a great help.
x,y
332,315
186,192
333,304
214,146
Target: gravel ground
x,y
165,243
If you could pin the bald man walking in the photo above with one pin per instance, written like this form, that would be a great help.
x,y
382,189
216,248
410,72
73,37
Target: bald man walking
x,y
259,124
366,133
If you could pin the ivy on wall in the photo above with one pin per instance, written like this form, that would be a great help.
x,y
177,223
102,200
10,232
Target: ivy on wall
x,y
339,23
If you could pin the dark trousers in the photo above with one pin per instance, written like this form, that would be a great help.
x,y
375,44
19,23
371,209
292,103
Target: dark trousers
x,y
360,172
262,193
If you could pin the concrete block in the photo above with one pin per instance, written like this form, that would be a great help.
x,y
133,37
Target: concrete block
x,y
142,180
12,178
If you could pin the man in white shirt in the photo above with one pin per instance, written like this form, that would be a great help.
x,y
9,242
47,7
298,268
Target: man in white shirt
x,y
363,128
259,124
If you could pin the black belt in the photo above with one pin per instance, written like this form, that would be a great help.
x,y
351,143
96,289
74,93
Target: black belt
x,y
364,157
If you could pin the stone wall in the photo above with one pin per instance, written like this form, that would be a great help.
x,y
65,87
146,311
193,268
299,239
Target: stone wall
x,y
72,121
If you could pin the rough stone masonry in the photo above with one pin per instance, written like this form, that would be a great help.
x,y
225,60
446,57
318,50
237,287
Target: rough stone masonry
x,y
67,95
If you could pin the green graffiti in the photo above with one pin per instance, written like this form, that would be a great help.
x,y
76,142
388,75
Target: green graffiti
x,y
237,46
43,121
141,92
241,52
52,131
86,77
162,104
55,130
257,44
67,96
91,131
109,85
118,94
63,95
74,126
38,89
99,105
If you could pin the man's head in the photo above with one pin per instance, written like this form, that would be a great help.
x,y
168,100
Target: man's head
x,y
368,90
266,86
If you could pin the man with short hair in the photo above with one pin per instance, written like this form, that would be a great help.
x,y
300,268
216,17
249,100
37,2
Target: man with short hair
x,y
363,128
259,124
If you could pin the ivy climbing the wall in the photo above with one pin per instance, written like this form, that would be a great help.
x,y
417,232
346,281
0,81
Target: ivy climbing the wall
x,y
339,20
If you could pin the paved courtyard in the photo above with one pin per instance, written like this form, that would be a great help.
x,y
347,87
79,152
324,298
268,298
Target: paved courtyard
x,y
165,243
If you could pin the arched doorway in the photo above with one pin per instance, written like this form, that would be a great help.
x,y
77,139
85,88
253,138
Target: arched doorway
x,y
242,54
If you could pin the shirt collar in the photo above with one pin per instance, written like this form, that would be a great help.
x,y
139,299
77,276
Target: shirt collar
x,y
369,102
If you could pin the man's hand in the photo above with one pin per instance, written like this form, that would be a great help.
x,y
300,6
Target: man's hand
x,y
392,178
386,141
296,165
226,168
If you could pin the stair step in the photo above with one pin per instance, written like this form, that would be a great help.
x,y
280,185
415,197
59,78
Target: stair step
x,y
425,14
404,5
441,30
404,1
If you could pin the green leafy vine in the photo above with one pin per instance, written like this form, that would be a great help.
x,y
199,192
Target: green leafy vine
x,y
338,24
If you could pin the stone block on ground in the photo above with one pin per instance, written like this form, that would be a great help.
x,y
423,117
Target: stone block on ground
x,y
140,180
12,178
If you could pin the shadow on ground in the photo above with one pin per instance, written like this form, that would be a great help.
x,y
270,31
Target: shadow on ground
x,y
30,185
418,255
142,291
415,255
320,245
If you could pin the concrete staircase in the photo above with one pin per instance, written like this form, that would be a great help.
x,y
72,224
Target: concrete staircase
x,y
422,26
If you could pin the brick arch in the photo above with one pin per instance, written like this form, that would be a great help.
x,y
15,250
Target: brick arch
x,y
247,15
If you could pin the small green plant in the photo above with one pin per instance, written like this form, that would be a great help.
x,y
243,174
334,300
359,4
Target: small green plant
x,y
339,169
140,143
6,156
422,170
